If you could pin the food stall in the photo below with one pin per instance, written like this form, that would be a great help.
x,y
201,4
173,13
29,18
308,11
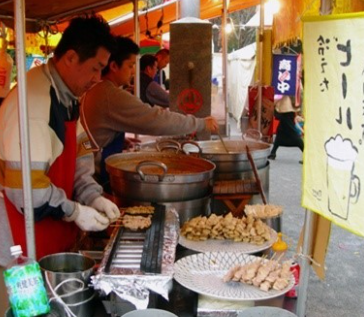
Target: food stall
x,y
189,271
165,225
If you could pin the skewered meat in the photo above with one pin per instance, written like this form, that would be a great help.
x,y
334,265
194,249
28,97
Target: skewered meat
x,y
266,275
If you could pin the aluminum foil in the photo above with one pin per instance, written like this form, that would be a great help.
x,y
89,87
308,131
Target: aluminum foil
x,y
131,284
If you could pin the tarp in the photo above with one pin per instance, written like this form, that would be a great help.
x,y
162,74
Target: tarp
x,y
287,23
168,13
38,12
57,11
241,66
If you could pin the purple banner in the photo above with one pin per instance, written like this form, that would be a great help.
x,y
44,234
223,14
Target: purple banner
x,y
284,74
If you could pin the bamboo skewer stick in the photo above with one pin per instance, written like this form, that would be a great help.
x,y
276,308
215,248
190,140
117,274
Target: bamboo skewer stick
x,y
261,190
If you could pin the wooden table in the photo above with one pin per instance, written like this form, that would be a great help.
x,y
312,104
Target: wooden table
x,y
235,193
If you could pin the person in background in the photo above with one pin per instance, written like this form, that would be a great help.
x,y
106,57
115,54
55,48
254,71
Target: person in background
x,y
66,198
108,111
163,60
151,92
287,134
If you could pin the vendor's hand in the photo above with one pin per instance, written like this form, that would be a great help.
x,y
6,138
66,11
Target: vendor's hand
x,y
211,124
106,206
89,219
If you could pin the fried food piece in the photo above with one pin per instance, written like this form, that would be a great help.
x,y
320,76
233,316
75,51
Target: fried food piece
x,y
135,223
246,229
263,211
141,210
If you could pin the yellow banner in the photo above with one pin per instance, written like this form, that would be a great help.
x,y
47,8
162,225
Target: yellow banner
x,y
334,120
347,6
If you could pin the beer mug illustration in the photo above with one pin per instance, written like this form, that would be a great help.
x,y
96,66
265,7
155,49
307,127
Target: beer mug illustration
x,y
343,187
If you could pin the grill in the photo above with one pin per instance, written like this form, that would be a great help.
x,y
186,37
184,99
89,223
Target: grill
x,y
137,262
139,250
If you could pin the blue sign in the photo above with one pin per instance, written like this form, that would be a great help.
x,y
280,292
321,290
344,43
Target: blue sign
x,y
284,74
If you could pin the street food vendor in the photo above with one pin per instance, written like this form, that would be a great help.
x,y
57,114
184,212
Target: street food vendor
x,y
162,61
150,91
65,196
107,111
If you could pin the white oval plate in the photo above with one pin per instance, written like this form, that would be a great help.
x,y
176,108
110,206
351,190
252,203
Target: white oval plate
x,y
212,245
203,273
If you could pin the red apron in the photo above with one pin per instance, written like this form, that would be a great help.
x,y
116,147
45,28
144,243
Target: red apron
x,y
51,236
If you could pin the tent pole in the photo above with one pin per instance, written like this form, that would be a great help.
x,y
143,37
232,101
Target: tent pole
x,y
19,9
260,62
137,41
325,9
224,63
305,264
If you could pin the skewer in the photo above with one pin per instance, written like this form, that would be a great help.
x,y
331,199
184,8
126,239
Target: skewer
x,y
222,142
280,257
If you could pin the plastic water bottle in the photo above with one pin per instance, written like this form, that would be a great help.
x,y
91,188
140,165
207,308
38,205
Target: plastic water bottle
x,y
25,285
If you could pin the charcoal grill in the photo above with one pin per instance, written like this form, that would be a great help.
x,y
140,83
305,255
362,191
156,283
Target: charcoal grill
x,y
139,250
137,262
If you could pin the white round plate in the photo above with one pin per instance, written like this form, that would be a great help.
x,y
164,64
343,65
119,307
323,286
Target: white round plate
x,y
227,245
203,273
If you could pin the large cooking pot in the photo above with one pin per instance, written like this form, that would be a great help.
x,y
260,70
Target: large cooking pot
x,y
229,165
156,176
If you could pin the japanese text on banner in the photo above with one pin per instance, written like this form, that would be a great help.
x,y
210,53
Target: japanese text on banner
x,y
334,119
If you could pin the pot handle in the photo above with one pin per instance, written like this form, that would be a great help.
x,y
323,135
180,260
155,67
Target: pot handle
x,y
151,163
193,143
167,145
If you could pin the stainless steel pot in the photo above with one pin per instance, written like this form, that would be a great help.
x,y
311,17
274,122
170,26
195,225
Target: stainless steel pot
x,y
230,165
156,177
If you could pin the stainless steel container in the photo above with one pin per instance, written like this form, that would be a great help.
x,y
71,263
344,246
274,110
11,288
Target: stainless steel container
x,y
63,266
229,166
159,177
233,164
68,275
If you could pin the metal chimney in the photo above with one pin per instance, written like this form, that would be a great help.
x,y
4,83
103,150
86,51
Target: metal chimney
x,y
190,8
191,63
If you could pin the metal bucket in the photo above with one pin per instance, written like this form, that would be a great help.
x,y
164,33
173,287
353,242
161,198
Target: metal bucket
x,y
67,275
263,311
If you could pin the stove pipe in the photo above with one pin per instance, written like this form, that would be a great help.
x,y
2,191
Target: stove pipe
x,y
190,8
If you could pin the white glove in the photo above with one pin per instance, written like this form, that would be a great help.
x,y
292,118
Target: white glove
x,y
106,206
88,219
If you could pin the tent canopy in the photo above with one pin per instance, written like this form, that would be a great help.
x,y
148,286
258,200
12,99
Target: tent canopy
x,y
54,11
119,12
168,13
